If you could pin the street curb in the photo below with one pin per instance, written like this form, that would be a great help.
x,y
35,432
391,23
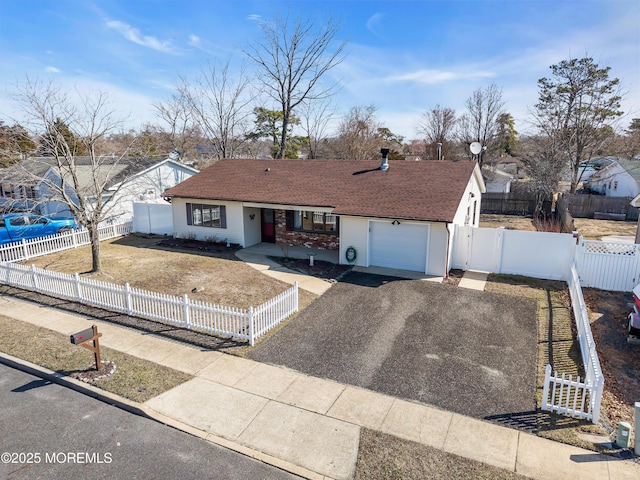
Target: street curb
x,y
144,411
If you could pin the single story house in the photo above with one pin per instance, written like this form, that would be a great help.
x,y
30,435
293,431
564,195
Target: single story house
x,y
620,178
35,184
398,214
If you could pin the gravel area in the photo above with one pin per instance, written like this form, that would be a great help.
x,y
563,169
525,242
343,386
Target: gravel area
x,y
462,350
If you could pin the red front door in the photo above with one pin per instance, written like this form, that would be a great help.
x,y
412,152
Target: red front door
x,y
267,216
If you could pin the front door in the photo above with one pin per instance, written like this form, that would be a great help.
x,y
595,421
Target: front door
x,y
267,216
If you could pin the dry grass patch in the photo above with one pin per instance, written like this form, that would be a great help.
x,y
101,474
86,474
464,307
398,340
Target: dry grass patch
x,y
218,277
592,229
512,222
134,378
385,457
589,228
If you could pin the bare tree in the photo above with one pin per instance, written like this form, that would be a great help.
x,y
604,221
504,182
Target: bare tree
x,y
293,56
580,102
218,102
438,127
358,137
315,117
480,122
176,115
544,164
61,123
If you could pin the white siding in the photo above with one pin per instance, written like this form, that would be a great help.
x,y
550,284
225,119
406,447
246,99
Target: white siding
x,y
147,186
354,232
252,232
614,181
437,258
234,233
470,199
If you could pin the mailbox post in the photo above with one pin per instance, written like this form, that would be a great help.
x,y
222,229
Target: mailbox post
x,y
84,337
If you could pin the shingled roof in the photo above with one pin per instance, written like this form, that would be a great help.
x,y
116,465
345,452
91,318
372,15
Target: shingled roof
x,y
407,190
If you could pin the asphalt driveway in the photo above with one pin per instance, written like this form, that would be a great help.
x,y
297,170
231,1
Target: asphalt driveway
x,y
462,350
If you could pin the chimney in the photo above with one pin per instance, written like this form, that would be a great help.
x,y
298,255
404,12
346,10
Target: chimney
x,y
385,159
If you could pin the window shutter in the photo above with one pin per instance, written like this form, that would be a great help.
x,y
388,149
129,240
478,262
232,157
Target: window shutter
x,y
223,216
189,215
289,220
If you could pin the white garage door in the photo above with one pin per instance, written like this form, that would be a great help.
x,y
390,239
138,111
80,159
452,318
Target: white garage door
x,y
402,246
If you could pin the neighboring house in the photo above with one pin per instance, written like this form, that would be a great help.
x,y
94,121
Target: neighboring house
x,y
620,178
496,180
32,185
402,217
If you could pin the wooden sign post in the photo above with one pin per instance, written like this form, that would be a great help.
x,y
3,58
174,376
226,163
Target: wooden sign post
x,y
89,335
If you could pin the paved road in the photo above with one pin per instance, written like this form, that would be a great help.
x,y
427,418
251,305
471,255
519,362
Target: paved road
x,y
63,429
462,350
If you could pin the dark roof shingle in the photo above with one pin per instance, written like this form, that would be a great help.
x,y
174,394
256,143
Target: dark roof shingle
x,y
410,190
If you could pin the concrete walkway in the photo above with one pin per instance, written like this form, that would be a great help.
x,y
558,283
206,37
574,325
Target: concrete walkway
x,y
257,257
474,280
311,426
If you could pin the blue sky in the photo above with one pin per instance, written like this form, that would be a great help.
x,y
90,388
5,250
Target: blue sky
x,y
404,56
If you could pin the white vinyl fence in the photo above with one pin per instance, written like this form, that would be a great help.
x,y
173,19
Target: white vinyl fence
x,y
246,324
608,265
570,396
37,247
498,250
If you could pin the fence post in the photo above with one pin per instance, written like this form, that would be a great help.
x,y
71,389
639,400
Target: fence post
x,y
25,251
295,298
597,400
251,327
74,239
545,389
187,311
34,276
127,292
78,292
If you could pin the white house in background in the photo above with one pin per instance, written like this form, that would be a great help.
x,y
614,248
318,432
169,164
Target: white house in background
x,y
31,184
396,215
621,178
496,180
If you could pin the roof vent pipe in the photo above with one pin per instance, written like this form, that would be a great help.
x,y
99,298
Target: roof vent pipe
x,y
385,159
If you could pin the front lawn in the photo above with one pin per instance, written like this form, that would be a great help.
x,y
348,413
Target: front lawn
x,y
143,262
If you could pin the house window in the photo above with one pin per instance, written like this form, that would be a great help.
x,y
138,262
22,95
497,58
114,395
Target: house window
x,y
310,221
615,185
205,215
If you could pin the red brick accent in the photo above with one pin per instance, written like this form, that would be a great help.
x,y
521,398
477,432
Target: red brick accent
x,y
321,241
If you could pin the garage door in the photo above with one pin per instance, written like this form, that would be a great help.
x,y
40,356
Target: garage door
x,y
402,246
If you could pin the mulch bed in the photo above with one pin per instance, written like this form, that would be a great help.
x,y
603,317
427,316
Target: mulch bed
x,y
188,244
328,271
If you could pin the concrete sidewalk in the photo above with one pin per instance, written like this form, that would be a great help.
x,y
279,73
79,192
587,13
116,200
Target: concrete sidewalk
x,y
311,426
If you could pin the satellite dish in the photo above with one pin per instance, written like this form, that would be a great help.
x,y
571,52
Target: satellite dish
x,y
475,148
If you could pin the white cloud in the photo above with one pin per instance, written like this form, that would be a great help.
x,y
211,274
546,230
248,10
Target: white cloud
x,y
373,22
431,77
51,69
254,17
133,34
195,41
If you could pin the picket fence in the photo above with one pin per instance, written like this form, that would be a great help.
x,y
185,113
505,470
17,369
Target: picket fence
x,y
36,247
245,324
569,396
